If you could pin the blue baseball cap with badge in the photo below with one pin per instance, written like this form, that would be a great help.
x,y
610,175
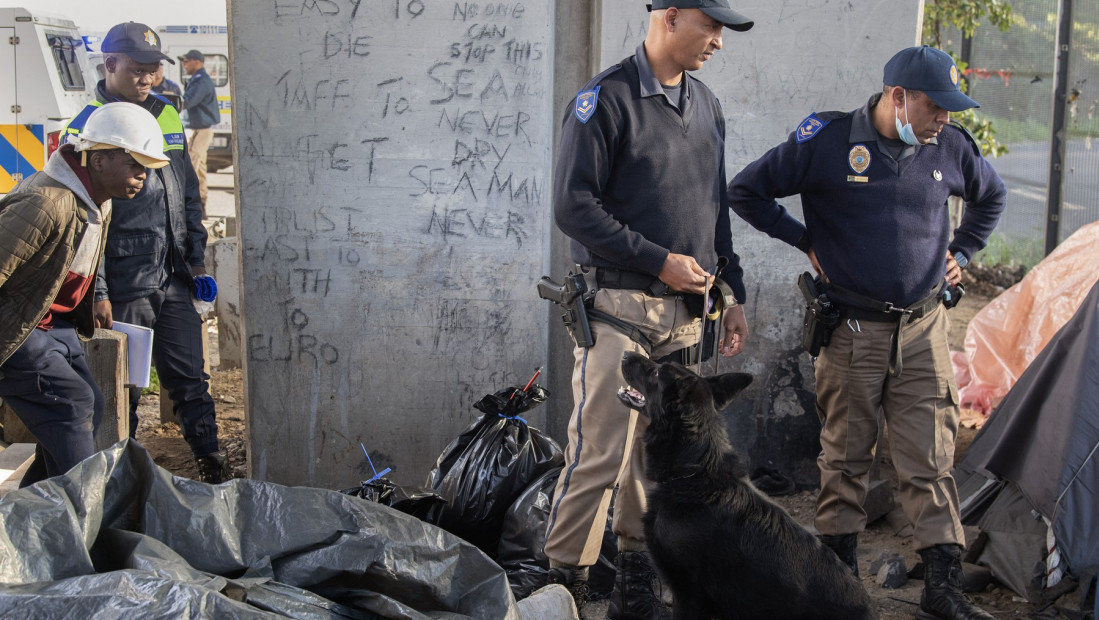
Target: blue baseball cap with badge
x,y
717,9
135,40
931,71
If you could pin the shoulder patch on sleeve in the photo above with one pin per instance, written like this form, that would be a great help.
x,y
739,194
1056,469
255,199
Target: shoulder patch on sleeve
x,y
809,128
968,136
588,97
586,101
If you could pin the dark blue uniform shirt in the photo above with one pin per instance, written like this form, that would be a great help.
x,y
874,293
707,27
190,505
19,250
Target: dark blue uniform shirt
x,y
641,178
882,230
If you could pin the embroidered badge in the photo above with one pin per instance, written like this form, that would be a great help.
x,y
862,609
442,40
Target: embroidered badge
x,y
808,128
857,179
938,176
585,104
954,74
859,158
150,38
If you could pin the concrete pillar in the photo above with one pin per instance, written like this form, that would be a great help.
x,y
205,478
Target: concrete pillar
x,y
394,184
223,263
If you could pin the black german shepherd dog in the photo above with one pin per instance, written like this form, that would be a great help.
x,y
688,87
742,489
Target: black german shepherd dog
x,y
724,549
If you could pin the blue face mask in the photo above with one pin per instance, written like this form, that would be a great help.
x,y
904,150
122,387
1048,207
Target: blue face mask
x,y
905,132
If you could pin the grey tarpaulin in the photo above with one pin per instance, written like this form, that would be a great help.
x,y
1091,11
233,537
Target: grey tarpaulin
x,y
1044,436
120,537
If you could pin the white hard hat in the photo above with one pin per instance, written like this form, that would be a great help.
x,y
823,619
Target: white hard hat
x,y
126,126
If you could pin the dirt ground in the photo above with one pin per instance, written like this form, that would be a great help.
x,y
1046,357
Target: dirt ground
x,y
888,535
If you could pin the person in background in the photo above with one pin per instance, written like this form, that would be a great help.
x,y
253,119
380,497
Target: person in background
x,y
156,251
200,114
874,185
52,234
167,88
640,189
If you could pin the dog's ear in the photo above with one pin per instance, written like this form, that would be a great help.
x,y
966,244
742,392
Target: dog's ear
x,y
725,387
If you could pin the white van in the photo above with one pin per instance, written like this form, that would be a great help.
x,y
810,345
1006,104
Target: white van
x,y
213,42
44,81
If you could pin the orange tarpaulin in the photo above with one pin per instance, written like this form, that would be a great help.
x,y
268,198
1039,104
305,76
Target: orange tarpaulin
x,y
1006,335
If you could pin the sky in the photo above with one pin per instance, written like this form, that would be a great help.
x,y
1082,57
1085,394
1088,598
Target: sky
x,y
97,16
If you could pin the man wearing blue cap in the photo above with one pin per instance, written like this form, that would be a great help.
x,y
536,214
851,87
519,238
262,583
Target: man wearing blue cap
x,y
874,185
200,114
639,188
156,248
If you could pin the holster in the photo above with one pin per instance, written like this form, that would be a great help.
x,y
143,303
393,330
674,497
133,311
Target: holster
x,y
821,315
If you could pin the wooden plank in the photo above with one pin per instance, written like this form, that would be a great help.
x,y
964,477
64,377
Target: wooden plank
x,y
106,358
14,461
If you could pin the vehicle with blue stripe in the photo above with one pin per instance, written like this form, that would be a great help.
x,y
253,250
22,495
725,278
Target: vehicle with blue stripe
x,y
45,80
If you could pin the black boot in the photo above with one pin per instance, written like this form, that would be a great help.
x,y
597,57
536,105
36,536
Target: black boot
x,y
943,598
845,547
636,594
213,468
575,580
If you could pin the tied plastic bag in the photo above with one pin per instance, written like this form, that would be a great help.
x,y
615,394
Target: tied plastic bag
x,y
523,537
415,501
206,291
489,464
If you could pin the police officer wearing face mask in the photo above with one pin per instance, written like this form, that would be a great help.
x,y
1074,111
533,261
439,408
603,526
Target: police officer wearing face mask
x,y
874,185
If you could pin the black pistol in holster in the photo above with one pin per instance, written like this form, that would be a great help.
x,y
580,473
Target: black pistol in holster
x,y
571,297
821,315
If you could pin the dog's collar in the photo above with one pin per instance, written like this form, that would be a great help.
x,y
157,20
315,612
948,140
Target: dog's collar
x,y
685,476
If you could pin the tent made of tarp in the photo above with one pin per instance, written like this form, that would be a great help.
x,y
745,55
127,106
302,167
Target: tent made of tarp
x,y
1042,441
118,536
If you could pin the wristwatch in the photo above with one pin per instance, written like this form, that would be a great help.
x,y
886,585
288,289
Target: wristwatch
x,y
961,260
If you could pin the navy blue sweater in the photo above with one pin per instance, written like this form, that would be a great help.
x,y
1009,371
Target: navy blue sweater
x,y
882,231
637,180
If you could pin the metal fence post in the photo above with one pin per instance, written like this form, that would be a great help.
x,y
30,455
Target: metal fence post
x,y
1058,133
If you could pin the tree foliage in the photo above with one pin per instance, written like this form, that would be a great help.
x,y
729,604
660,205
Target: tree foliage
x,y
965,16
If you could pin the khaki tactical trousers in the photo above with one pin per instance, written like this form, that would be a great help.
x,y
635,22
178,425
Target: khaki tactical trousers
x,y
920,411
604,448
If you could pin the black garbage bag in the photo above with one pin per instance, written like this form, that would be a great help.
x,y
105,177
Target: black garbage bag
x,y
416,501
489,464
523,535
522,539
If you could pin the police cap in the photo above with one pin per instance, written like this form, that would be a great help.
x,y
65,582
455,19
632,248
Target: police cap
x,y
717,9
135,40
929,70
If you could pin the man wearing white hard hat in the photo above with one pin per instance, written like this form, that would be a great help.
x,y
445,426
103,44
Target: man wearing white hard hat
x,y
52,233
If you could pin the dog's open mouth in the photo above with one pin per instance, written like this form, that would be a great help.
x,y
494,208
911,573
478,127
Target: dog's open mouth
x,y
631,397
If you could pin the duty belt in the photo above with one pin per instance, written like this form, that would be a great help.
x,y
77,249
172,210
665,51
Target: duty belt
x,y
607,277
864,308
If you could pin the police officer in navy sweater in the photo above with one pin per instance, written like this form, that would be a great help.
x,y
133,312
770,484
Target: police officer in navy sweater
x,y
874,185
639,188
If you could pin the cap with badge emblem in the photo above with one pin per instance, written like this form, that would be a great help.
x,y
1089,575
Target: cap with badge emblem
x,y
135,40
931,71
717,9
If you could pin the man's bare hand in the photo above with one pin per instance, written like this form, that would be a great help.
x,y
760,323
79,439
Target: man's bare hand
x,y
953,271
682,274
101,310
816,265
736,331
